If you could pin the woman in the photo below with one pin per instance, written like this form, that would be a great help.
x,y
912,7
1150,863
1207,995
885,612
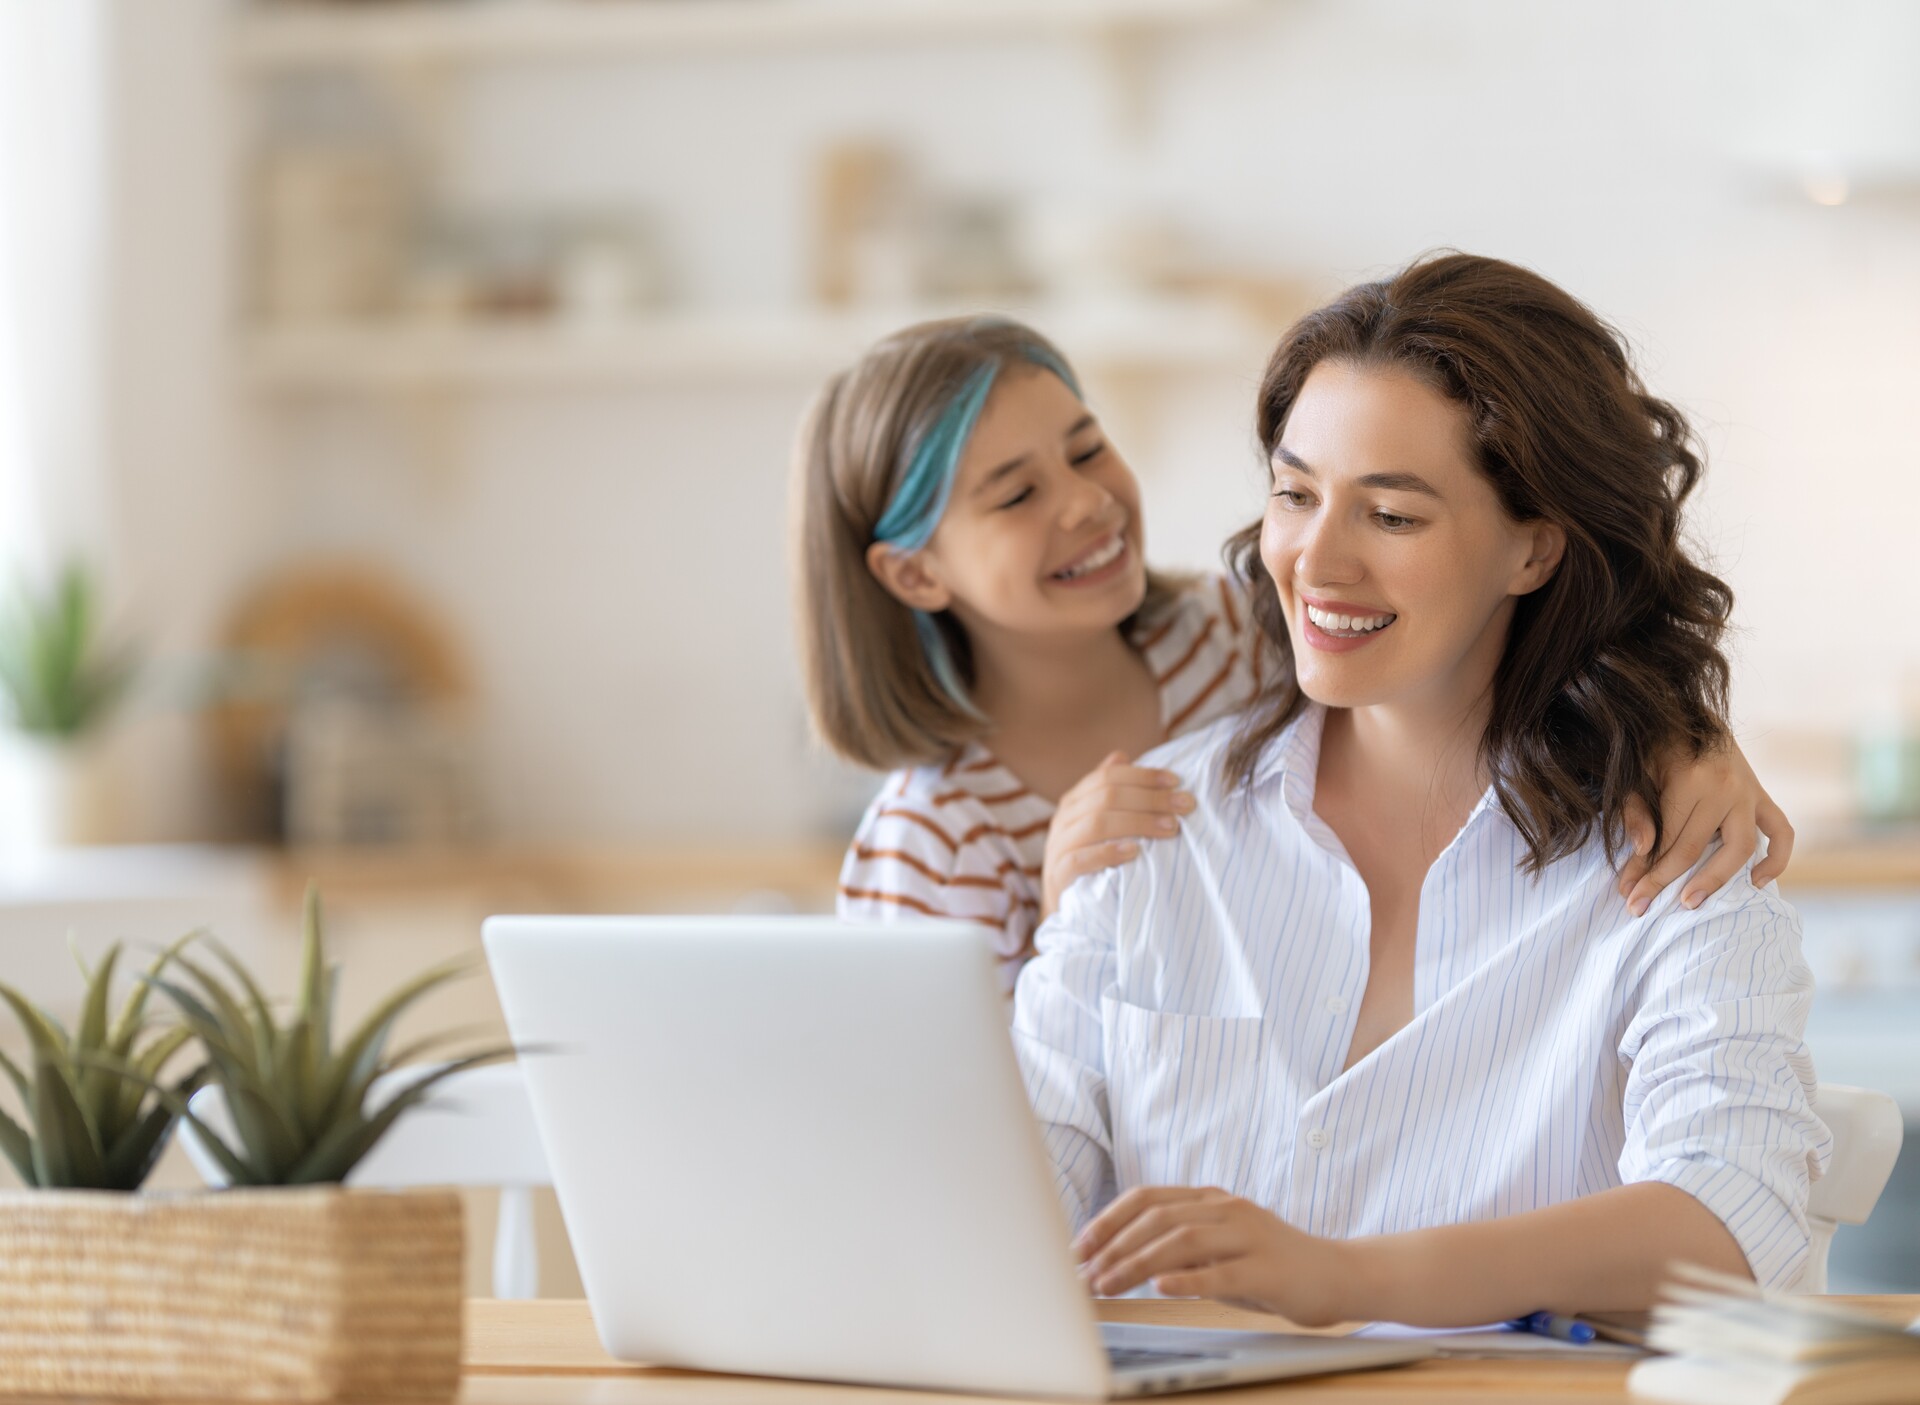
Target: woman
x,y
1376,1036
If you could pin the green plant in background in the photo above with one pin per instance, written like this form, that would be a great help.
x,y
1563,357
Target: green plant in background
x,y
88,1126
57,679
298,1101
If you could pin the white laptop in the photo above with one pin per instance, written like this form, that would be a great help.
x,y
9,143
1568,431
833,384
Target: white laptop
x,y
801,1147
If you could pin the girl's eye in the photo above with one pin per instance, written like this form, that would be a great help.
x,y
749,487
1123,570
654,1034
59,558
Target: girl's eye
x,y
1394,522
1017,499
1089,455
1292,497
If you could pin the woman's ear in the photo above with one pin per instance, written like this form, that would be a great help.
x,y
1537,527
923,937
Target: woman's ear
x,y
905,577
1546,544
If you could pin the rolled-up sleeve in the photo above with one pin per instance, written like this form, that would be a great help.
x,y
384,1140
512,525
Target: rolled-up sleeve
x,y
1720,1086
1058,1038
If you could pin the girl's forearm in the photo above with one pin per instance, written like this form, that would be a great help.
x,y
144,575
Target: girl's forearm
x,y
1602,1252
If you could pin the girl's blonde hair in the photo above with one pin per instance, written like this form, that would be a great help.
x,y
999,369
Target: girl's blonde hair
x,y
886,689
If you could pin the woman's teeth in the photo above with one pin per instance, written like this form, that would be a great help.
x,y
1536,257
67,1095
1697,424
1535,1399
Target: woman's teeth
x,y
1105,556
1348,624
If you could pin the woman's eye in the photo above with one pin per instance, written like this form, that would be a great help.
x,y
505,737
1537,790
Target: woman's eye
x,y
1089,455
1017,498
1292,497
1394,522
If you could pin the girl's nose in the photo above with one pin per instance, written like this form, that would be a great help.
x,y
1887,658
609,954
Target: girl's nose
x,y
1084,502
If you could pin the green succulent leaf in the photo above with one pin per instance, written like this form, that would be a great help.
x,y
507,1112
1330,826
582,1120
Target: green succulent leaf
x,y
18,1147
204,1023
43,1032
95,1089
337,1153
18,1079
238,1170
358,1062
262,1021
66,1148
149,1061
130,1158
132,1017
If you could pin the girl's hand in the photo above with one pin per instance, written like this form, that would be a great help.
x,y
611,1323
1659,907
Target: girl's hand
x,y
1209,1244
1099,822
1699,796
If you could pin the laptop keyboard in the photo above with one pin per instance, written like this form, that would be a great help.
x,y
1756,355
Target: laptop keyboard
x,y
1127,1358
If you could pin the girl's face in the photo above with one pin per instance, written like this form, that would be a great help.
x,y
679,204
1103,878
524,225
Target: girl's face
x,y
1042,534
1395,562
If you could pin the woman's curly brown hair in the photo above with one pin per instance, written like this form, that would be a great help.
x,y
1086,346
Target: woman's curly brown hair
x,y
1613,664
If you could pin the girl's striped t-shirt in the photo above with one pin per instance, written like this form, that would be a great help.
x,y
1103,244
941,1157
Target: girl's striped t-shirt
x,y
966,839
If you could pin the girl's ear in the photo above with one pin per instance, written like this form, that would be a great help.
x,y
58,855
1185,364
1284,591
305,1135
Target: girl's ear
x,y
1546,544
906,578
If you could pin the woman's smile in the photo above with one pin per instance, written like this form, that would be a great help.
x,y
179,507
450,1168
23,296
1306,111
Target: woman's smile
x,y
1337,626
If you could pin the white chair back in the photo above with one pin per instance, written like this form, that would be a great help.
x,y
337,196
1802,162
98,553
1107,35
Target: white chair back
x,y
474,1129
1867,1130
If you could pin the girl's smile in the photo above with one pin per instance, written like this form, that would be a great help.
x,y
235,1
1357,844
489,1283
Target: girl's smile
x,y
1104,561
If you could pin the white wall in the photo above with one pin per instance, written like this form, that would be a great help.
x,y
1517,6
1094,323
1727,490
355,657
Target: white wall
x,y
615,559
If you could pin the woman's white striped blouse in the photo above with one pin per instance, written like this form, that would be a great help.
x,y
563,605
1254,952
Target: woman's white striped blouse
x,y
1187,1017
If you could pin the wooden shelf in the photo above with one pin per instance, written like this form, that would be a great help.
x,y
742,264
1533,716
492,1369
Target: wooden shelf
x,y
1144,338
294,35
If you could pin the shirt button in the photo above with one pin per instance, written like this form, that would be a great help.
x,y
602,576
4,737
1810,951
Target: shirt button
x,y
1318,1138
1336,1004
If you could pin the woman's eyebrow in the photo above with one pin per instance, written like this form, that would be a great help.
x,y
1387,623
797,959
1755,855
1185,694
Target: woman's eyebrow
x,y
1392,482
1084,422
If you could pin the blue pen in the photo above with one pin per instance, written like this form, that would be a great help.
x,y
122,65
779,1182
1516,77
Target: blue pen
x,y
1549,1324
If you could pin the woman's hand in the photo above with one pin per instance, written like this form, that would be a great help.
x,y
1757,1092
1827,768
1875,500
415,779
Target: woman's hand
x,y
1099,822
1715,792
1209,1244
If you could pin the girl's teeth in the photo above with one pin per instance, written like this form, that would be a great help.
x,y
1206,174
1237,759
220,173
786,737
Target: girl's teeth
x,y
1100,558
1348,624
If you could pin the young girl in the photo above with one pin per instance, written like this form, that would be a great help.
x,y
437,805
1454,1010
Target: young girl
x,y
977,617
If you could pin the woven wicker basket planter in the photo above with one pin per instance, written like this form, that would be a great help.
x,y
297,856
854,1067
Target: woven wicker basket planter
x,y
314,1293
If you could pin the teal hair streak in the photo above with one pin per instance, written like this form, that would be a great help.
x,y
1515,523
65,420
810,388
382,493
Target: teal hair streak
x,y
921,500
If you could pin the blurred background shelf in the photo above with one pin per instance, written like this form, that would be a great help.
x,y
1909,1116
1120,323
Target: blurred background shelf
x,y
302,35
1157,337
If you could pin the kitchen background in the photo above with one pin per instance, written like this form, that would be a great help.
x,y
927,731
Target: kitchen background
x,y
415,379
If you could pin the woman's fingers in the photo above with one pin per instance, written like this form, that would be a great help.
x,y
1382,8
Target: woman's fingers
x,y
1152,1223
1125,1209
1738,841
1183,1247
1773,823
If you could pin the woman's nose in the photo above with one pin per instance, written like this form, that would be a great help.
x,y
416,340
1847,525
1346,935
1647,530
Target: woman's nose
x,y
1326,555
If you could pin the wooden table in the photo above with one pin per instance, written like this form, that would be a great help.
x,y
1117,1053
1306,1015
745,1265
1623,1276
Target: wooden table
x,y
545,1353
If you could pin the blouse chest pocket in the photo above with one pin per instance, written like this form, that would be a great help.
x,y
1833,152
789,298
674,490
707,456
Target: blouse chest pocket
x,y
1185,1095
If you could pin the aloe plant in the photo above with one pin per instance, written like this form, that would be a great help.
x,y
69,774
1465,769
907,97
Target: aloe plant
x,y
89,1125
57,678
299,1101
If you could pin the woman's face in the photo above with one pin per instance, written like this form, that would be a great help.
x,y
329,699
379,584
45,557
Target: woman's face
x,y
1395,562
1041,537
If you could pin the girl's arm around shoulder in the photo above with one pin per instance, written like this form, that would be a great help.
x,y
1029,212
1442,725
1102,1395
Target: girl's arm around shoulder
x,y
1720,1086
